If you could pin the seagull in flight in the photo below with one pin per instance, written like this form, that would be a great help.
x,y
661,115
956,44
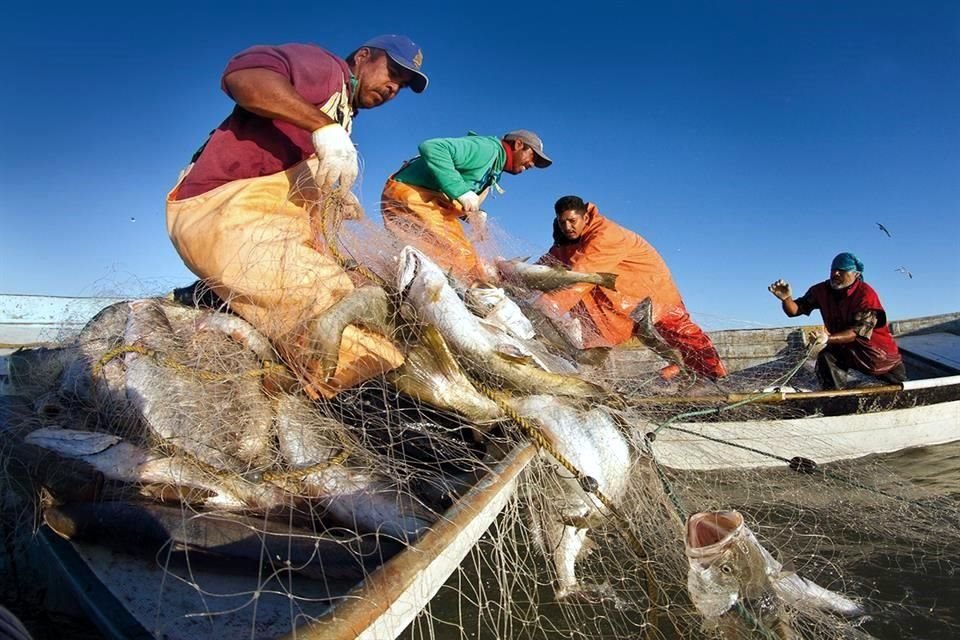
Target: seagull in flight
x,y
884,229
903,270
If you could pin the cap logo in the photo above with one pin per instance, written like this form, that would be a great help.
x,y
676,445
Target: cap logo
x,y
418,59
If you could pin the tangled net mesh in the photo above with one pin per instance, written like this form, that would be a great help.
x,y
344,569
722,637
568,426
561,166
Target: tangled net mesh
x,y
258,507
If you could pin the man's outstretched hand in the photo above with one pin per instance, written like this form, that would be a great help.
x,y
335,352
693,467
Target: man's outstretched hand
x,y
781,289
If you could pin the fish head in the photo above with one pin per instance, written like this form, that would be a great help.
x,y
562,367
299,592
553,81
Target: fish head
x,y
420,281
726,562
409,270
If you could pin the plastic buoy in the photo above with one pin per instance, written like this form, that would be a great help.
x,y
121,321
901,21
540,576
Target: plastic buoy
x,y
803,465
589,484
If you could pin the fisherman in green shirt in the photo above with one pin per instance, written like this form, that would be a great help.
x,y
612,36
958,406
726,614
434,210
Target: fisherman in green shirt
x,y
423,202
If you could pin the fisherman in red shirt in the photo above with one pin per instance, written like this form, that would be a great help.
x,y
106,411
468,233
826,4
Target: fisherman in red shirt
x,y
856,336
646,303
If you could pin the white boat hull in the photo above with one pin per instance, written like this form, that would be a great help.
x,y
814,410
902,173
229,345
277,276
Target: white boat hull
x,y
728,445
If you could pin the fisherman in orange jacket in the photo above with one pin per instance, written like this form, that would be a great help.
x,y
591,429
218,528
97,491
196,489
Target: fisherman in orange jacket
x,y
646,303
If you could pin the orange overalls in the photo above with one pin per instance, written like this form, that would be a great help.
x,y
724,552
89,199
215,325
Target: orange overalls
x,y
429,221
253,241
605,246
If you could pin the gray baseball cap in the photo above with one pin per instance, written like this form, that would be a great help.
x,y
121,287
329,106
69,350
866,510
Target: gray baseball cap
x,y
533,141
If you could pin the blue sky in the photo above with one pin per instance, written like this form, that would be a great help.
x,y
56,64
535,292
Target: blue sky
x,y
747,141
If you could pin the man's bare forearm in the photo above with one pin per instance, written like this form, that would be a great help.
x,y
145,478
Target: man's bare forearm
x,y
268,94
790,307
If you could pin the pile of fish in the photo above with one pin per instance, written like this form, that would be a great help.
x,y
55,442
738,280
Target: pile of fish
x,y
159,409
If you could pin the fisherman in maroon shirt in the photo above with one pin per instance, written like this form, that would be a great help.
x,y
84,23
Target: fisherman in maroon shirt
x,y
856,336
245,214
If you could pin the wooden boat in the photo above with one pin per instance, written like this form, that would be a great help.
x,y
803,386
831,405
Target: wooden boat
x,y
127,599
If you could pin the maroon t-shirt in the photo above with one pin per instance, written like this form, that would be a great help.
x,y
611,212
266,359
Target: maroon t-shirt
x,y
876,353
247,145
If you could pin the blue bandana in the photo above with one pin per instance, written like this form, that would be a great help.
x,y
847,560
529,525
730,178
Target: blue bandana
x,y
846,262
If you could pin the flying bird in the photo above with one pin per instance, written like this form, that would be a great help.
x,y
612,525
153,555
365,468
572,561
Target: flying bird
x,y
132,219
903,270
884,229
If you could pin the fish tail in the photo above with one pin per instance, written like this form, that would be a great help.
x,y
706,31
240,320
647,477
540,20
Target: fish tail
x,y
608,280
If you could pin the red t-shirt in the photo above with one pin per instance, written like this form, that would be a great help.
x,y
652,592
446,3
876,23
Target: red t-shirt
x,y
247,145
875,354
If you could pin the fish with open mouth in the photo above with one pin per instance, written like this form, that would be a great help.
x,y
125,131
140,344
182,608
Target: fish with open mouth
x,y
544,277
426,297
730,571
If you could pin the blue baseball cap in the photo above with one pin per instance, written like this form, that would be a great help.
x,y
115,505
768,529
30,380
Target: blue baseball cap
x,y
405,53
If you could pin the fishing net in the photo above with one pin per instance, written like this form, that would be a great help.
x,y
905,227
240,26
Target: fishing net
x,y
172,434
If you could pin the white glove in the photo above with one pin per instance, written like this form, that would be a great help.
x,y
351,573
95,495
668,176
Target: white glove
x,y
337,156
781,289
817,339
478,224
470,202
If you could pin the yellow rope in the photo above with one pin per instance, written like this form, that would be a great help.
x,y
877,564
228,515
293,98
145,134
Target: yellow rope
x,y
265,368
339,459
346,449
331,242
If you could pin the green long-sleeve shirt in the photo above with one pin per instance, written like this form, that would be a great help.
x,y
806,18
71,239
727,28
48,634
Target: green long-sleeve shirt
x,y
456,165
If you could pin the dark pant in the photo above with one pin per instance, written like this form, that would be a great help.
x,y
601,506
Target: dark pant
x,y
832,373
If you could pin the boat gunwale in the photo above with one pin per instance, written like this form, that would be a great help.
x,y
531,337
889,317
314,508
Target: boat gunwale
x,y
371,600
777,395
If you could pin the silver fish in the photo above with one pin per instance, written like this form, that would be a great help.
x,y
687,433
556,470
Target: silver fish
x,y
86,379
124,461
728,566
217,539
367,307
319,453
226,423
305,436
358,500
427,298
237,329
593,443
548,278
430,374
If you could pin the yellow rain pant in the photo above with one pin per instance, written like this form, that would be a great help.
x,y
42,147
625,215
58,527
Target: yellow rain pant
x,y
427,220
256,244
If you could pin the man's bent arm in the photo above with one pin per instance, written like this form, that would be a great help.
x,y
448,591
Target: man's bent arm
x,y
269,94
842,337
790,307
